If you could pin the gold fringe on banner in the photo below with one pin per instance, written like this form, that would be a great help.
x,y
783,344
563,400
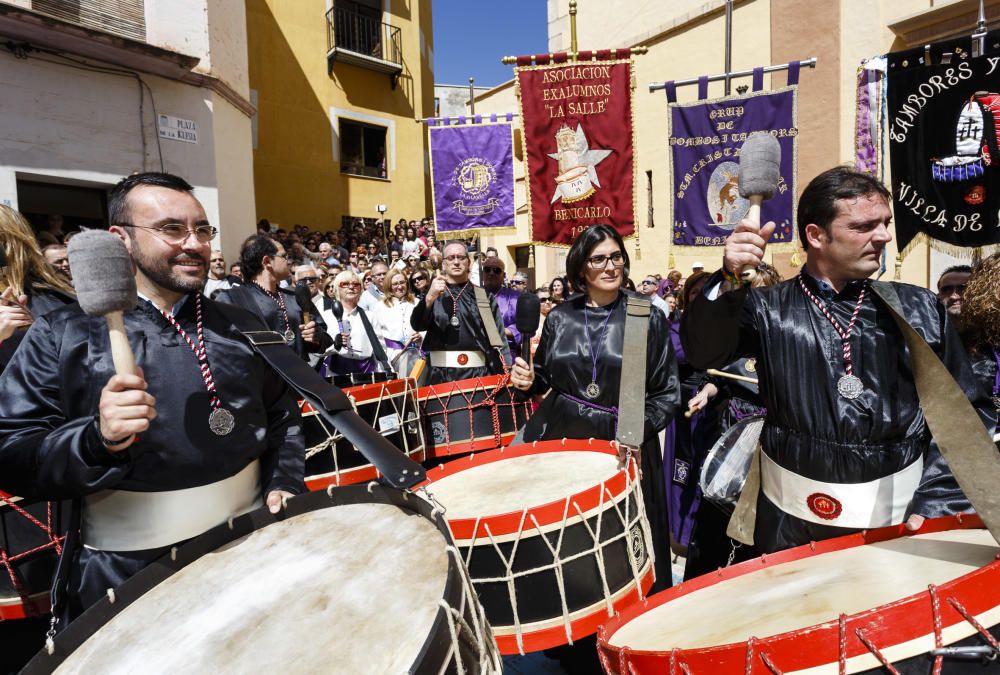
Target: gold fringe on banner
x,y
966,252
899,268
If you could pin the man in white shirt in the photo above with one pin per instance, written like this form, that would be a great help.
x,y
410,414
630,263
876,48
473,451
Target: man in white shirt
x,y
649,287
373,294
216,274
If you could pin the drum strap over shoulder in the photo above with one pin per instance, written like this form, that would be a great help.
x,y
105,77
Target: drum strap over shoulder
x,y
330,402
632,388
961,436
377,350
489,321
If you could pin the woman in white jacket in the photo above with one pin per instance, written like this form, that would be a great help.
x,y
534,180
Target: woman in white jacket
x,y
391,321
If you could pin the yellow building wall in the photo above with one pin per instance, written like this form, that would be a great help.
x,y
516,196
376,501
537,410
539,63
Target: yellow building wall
x,y
296,160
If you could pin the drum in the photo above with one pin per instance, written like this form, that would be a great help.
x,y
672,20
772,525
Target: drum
x,y
361,579
554,535
30,544
482,413
850,605
725,469
389,407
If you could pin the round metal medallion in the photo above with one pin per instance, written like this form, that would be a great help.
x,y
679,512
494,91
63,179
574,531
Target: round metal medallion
x,y
454,321
221,421
850,387
751,365
289,335
592,391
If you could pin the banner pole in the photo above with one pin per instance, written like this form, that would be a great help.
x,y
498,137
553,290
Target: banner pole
x,y
807,63
729,46
572,29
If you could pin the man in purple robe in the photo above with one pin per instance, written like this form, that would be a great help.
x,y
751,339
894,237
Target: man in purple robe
x,y
506,299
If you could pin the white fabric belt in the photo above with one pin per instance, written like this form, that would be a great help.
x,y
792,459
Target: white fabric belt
x,y
125,520
877,503
457,359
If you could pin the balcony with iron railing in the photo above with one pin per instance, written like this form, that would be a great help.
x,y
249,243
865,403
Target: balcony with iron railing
x,y
363,41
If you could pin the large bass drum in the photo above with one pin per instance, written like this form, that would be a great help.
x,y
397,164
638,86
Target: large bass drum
x,y
481,413
880,601
390,407
360,579
554,535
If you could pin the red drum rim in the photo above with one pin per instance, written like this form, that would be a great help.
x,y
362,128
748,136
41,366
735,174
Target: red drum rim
x,y
903,620
443,389
545,514
364,393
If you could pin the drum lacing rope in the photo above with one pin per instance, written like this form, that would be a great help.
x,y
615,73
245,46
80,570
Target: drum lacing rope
x,y
7,561
972,620
875,651
842,644
480,632
624,667
763,657
675,661
938,642
597,550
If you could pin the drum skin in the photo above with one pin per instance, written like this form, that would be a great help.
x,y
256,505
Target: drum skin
x,y
389,407
902,630
482,413
112,631
532,538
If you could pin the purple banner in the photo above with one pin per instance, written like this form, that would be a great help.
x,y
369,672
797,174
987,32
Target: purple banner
x,y
472,171
705,142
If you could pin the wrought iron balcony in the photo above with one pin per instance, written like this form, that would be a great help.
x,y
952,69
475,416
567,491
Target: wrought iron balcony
x,y
363,41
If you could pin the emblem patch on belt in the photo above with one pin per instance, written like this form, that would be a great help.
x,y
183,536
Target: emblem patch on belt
x,y
824,506
682,470
463,359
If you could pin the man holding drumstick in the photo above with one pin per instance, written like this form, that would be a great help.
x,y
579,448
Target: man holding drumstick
x,y
202,431
845,445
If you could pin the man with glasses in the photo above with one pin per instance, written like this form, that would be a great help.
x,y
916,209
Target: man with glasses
x,y
149,456
506,299
649,288
373,294
951,288
265,266
456,340
217,280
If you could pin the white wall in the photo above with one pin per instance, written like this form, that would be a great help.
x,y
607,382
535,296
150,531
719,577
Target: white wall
x,y
83,128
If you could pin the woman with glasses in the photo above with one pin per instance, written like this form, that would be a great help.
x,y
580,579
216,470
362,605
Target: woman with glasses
x,y
579,358
391,320
352,350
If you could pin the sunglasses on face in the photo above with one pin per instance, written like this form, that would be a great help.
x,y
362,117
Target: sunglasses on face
x,y
545,300
349,284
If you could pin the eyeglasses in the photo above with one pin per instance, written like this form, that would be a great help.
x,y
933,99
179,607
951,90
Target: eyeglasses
x,y
309,280
545,300
518,282
493,270
647,282
600,262
348,284
415,278
176,233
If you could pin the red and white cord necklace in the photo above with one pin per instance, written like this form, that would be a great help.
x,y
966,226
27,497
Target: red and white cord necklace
x,y
289,334
849,385
220,420
454,303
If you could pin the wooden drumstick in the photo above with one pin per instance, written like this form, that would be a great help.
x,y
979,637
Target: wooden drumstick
x,y
742,378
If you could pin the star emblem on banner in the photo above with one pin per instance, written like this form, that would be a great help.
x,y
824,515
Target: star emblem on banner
x,y
585,158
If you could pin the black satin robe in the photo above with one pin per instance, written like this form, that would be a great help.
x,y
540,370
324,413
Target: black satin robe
x,y
49,442
254,300
563,363
810,428
40,303
985,369
470,335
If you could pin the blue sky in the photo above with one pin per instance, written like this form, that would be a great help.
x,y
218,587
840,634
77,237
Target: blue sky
x,y
471,37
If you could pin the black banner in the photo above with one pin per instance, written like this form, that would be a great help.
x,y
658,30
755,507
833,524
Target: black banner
x,y
943,123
